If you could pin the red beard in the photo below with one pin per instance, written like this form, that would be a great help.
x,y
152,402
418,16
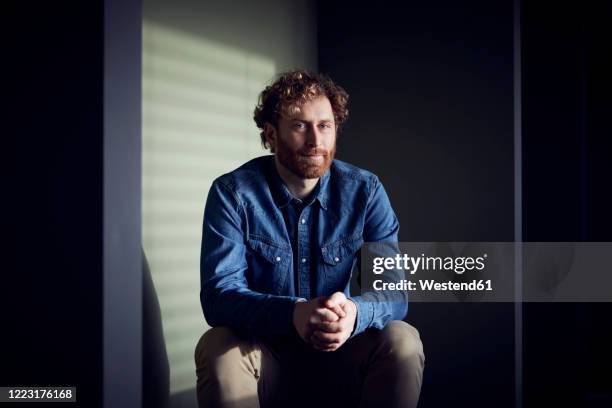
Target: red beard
x,y
305,163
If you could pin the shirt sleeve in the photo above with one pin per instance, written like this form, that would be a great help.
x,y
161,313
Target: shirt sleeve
x,y
224,294
381,228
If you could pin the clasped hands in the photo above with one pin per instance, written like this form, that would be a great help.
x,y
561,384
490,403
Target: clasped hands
x,y
325,322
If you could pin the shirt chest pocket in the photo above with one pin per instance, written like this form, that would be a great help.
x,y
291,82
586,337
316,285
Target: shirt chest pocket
x,y
269,265
339,258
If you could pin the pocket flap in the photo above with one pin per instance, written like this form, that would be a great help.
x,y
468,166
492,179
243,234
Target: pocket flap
x,y
335,252
274,253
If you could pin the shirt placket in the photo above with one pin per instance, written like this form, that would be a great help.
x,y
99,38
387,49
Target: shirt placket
x,y
303,254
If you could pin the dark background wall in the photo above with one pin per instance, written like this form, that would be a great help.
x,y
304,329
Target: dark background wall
x,y
567,168
431,113
51,287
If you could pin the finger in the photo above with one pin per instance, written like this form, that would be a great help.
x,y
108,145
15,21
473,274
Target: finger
x,y
322,345
335,303
337,310
328,338
349,306
316,342
336,299
322,314
342,328
329,327
345,324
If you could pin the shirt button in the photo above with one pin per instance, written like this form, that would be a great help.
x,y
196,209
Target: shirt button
x,y
303,220
278,258
336,259
303,260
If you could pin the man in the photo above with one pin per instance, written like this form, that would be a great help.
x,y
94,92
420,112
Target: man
x,y
281,239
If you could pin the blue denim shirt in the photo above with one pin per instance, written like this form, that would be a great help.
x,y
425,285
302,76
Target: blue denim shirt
x,y
255,267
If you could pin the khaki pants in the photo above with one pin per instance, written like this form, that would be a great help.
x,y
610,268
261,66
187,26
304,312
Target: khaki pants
x,y
377,368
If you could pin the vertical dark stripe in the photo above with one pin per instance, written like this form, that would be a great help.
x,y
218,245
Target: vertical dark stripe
x,y
122,256
518,212
583,118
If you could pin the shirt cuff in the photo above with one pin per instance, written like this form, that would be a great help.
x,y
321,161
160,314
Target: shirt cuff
x,y
281,311
292,300
365,314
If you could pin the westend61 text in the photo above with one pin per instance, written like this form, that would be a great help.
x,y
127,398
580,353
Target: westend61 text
x,y
430,284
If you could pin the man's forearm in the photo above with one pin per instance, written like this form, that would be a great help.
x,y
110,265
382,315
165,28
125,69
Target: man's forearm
x,y
374,311
244,309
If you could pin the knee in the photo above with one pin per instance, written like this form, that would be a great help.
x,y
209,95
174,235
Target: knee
x,y
217,348
227,367
401,342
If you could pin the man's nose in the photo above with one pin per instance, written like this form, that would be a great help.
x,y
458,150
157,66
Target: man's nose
x,y
314,136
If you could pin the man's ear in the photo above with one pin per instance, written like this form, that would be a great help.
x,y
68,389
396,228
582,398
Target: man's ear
x,y
271,135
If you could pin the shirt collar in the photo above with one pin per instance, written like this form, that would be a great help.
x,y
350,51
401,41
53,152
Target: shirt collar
x,y
323,193
283,197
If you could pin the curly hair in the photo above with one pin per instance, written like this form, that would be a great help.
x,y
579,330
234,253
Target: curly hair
x,y
290,91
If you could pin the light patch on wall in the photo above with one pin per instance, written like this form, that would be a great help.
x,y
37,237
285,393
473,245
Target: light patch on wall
x,y
198,101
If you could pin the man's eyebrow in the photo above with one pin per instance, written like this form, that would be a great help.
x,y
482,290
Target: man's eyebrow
x,y
309,121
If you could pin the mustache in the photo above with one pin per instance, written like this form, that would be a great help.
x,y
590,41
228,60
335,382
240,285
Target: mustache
x,y
313,152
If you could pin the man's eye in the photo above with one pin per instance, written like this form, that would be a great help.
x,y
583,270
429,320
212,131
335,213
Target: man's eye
x,y
325,126
298,125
